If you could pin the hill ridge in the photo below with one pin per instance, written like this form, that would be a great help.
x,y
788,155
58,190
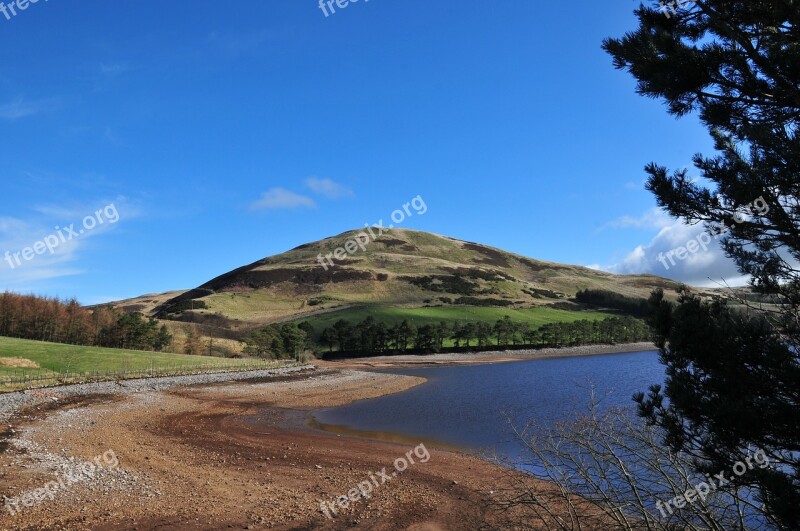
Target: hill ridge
x,y
401,268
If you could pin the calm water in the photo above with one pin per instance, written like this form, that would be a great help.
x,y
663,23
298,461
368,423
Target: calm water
x,y
469,406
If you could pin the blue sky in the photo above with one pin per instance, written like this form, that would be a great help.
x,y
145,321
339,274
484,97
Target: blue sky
x,y
223,133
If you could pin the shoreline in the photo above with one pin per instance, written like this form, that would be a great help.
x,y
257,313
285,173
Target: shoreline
x,y
200,454
225,456
486,357
12,402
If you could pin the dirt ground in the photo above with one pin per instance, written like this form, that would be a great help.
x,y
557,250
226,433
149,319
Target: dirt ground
x,y
234,456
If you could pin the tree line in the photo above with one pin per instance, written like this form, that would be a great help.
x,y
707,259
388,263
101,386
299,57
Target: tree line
x,y
608,299
59,321
373,337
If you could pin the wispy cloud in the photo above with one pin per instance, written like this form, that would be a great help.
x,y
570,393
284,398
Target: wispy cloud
x,y
281,198
328,188
20,108
655,218
17,234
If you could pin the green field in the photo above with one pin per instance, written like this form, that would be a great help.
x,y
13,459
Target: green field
x,y
535,317
57,362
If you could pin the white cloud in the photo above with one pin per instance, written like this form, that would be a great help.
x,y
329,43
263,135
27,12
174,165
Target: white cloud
x,y
276,198
328,188
708,267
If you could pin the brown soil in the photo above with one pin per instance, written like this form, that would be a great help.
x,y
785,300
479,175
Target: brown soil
x,y
239,456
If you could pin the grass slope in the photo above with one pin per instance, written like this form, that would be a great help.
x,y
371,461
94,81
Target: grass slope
x,y
402,269
535,317
54,359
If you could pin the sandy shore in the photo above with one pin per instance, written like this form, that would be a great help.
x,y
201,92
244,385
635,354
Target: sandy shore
x,y
238,455
235,456
498,356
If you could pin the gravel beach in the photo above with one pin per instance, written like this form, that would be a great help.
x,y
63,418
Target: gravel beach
x,y
225,456
234,451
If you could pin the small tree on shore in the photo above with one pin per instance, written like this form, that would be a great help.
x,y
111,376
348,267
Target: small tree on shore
x,y
610,470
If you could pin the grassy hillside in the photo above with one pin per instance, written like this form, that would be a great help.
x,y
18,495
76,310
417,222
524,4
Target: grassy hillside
x,y
535,317
48,362
396,276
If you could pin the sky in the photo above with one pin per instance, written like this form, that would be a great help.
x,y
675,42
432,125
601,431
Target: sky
x,y
151,146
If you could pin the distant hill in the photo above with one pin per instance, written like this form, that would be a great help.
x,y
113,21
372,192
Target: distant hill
x,y
400,271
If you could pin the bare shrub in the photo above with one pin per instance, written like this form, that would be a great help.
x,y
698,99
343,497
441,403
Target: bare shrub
x,y
608,470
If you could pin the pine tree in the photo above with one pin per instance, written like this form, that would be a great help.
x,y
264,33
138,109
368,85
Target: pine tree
x,y
733,377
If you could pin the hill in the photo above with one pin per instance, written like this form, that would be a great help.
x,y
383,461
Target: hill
x,y
401,274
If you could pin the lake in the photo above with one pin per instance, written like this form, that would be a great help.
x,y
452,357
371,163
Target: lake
x,y
468,406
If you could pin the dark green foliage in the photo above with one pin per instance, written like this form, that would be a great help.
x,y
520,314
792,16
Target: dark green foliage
x,y
328,338
308,328
277,341
542,293
162,339
427,338
735,63
733,386
608,331
483,333
344,335
134,331
444,284
733,378
504,330
609,299
183,306
463,333
373,337
489,276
